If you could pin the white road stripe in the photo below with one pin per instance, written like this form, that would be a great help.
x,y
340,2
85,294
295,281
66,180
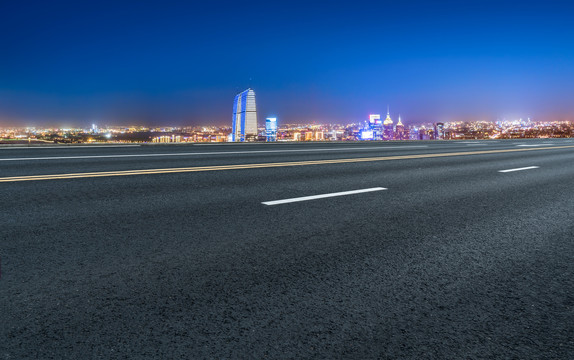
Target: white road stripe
x,y
208,153
519,169
314,197
536,145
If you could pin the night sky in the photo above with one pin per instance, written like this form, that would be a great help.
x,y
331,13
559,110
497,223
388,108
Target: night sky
x,y
69,63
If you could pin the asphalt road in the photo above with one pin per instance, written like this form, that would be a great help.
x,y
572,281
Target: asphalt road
x,y
454,260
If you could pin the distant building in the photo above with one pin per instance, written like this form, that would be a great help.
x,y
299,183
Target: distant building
x,y
376,126
423,133
271,129
413,133
374,119
244,116
367,134
371,128
400,133
439,131
388,132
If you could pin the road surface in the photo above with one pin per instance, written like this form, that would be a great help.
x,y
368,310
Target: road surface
x,y
363,250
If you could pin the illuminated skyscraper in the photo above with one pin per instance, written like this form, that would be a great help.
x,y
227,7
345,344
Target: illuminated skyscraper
x,y
244,116
400,131
376,126
388,132
271,129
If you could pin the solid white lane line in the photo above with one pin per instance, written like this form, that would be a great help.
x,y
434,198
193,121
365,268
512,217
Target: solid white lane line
x,y
52,147
208,153
314,197
519,169
534,145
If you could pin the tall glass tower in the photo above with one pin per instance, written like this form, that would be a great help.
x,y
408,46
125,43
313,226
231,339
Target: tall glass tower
x,y
271,129
244,116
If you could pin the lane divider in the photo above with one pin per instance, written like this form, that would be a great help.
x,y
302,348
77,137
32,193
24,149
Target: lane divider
x,y
260,166
519,169
322,196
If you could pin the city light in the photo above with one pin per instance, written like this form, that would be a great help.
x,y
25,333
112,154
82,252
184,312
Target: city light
x,y
455,130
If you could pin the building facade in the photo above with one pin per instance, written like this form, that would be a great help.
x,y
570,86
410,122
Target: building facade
x,y
439,131
388,131
271,129
400,132
244,116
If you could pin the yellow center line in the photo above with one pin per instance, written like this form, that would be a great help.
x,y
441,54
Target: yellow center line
x,y
262,165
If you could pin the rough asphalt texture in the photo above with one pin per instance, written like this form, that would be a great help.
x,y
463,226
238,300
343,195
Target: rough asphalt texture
x,y
454,261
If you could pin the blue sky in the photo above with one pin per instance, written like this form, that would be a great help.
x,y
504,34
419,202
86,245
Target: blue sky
x,y
180,63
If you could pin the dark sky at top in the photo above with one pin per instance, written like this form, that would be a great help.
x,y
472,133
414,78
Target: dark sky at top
x,y
181,63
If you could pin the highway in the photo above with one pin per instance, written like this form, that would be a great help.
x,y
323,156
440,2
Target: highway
x,y
368,250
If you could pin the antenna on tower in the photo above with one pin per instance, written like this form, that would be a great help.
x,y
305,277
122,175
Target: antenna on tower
x,y
388,112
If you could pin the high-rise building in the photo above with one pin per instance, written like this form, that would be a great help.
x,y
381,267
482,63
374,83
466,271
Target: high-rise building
x,y
388,132
376,126
244,116
271,129
400,130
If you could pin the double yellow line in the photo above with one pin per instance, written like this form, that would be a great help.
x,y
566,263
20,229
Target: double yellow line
x,y
260,166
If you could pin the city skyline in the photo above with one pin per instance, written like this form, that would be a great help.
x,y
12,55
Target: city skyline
x,y
274,130
323,62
